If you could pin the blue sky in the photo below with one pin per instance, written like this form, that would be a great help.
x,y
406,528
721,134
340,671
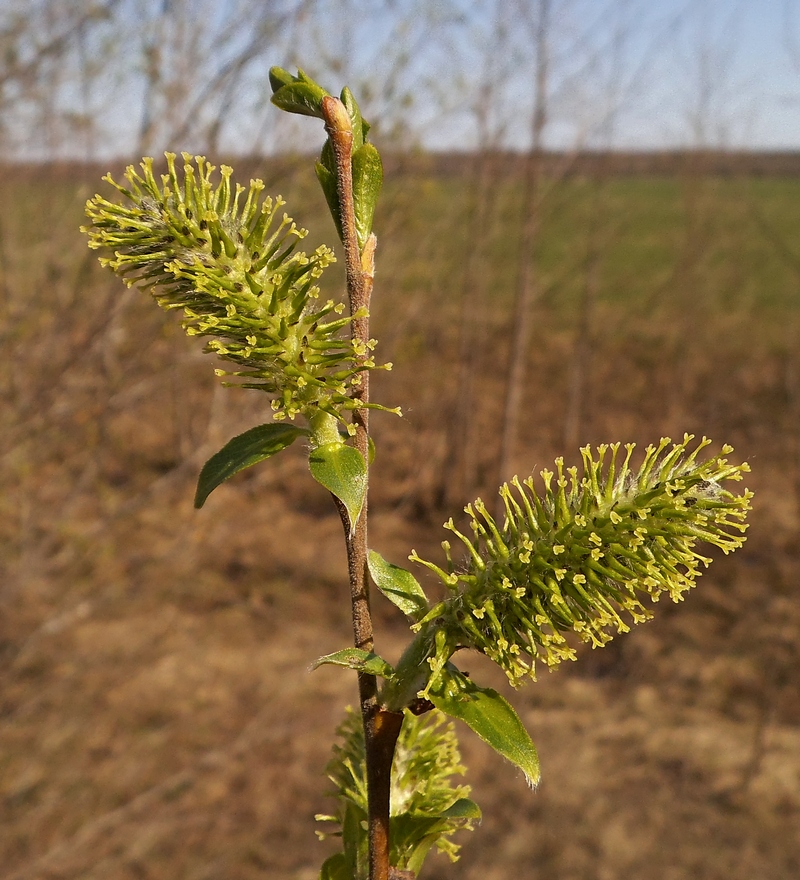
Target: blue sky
x,y
763,47
690,72
770,66
627,74
693,72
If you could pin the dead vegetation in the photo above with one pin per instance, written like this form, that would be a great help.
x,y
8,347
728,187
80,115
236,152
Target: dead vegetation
x,y
157,719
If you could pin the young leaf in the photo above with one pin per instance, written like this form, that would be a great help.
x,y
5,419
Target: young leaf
x,y
343,472
463,808
279,77
489,715
367,182
299,98
296,94
242,452
413,835
355,658
326,175
335,868
398,585
356,120
355,841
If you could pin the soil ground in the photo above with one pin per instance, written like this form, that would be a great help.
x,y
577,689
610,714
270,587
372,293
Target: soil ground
x,y
157,716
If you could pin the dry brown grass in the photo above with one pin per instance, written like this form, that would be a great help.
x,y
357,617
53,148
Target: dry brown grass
x,y
157,717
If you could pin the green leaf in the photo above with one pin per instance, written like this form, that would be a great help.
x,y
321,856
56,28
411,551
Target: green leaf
x,y
463,808
367,175
367,182
242,452
343,472
353,111
412,838
356,658
335,868
490,716
398,585
278,77
355,841
299,98
296,94
327,180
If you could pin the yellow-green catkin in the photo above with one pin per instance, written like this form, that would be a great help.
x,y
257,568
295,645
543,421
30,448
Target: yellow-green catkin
x,y
227,259
583,554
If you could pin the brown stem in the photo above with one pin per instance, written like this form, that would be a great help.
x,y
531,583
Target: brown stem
x,y
381,728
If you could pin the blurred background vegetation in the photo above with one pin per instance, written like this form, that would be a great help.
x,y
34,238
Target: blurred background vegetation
x,y
589,232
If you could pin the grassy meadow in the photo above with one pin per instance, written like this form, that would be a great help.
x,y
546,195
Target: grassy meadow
x,y
157,719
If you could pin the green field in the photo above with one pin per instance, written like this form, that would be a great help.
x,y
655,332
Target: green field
x,y
156,716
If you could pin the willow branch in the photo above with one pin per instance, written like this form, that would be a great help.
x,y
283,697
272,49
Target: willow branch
x,y
381,728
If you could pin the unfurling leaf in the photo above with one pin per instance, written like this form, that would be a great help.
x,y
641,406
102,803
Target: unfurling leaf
x,y
355,658
464,808
300,94
489,715
279,77
242,452
357,123
335,868
398,585
367,182
296,94
343,472
326,175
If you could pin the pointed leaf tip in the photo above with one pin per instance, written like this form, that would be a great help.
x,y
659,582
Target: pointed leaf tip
x,y
367,183
490,716
341,469
278,77
398,585
296,94
241,452
356,658
463,808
